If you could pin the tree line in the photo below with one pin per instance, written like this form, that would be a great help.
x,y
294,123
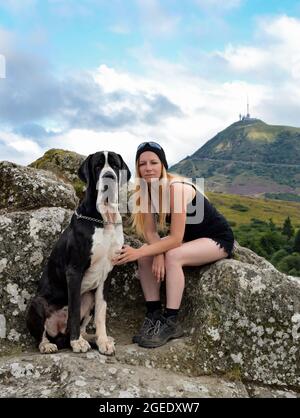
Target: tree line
x,y
279,244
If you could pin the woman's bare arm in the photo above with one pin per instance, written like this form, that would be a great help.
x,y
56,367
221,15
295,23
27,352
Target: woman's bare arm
x,y
178,202
151,234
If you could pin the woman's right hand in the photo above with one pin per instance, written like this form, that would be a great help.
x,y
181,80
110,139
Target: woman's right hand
x,y
158,267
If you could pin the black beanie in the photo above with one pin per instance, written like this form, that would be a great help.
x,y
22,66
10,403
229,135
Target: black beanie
x,y
157,150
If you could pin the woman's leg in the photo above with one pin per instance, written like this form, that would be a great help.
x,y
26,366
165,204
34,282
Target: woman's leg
x,y
194,253
150,287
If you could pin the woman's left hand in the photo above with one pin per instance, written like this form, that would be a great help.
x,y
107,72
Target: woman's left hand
x,y
126,255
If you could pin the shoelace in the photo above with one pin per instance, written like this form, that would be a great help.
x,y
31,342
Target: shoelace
x,y
155,329
147,324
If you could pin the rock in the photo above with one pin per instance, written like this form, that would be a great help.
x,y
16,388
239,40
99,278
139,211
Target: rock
x,y
92,375
241,317
24,188
64,164
244,320
247,256
269,392
26,240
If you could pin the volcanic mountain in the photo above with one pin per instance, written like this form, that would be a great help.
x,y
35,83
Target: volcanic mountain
x,y
250,158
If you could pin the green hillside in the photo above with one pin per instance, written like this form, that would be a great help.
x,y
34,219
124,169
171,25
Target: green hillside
x,y
254,141
239,210
249,158
270,228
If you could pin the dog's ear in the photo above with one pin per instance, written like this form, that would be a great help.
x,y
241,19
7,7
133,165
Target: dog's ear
x,y
85,170
125,174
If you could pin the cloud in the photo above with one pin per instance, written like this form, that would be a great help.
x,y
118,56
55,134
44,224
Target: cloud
x,y
275,56
205,106
180,105
31,93
17,149
176,110
2,66
156,20
7,40
244,58
282,104
218,6
38,109
33,130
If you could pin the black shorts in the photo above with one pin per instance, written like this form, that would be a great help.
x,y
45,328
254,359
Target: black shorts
x,y
225,240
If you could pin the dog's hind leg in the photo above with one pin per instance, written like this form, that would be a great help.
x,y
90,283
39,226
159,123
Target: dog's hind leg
x,y
45,346
36,318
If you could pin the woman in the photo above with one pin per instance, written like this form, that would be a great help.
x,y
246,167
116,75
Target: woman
x,y
188,243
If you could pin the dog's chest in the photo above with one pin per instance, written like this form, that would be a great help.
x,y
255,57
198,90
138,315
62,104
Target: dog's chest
x,y
105,243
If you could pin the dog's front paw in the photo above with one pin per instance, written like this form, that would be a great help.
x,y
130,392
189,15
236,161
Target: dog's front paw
x,y
46,347
106,345
80,345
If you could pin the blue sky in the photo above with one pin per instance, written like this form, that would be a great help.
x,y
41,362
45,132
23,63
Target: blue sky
x,y
97,74
78,34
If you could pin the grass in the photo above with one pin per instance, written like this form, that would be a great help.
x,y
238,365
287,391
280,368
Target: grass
x,y
262,209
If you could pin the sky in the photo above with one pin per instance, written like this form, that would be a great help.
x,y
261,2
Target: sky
x,y
95,75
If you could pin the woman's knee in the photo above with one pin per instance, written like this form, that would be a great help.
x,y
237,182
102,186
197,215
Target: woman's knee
x,y
145,262
173,256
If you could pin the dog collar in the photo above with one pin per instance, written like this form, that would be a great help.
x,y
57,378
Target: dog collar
x,y
79,216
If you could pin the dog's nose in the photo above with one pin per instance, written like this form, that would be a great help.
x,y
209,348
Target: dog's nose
x,y
109,175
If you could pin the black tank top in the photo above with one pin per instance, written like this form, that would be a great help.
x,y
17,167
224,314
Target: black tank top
x,y
213,223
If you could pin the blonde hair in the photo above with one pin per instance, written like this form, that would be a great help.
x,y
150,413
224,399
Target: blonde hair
x,y
137,216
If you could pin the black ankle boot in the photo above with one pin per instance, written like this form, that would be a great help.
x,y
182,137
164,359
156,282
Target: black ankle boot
x,y
164,330
148,324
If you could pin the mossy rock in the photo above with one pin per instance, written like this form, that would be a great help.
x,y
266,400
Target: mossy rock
x,y
65,165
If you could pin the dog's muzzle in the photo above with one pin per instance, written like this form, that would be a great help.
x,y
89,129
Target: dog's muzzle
x,y
108,189
109,175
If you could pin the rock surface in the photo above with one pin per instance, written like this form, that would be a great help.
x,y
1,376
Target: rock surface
x,y
26,240
241,319
24,188
64,164
91,375
245,320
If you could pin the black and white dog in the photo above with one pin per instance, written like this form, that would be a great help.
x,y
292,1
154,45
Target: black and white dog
x,y
72,284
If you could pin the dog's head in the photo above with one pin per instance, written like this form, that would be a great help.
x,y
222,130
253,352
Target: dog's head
x,y
105,172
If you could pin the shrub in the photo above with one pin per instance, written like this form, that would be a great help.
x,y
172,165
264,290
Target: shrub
x,y
270,242
290,264
239,207
278,256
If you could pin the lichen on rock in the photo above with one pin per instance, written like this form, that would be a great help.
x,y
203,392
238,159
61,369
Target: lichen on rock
x,y
241,316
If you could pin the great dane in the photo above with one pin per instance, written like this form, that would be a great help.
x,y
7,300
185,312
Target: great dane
x,y
72,285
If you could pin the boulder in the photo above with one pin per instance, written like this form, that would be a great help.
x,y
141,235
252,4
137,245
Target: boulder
x,y
64,164
24,188
244,318
26,240
241,316
92,375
